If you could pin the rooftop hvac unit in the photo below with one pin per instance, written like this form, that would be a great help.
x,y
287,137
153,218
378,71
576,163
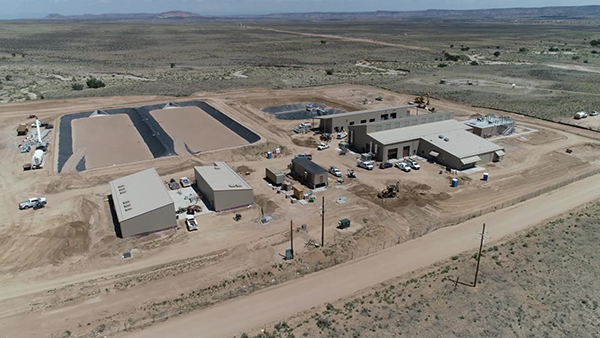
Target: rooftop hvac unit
x,y
446,139
441,136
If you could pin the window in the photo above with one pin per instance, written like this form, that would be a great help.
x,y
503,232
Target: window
x,y
397,125
384,116
378,128
394,115
372,120
406,123
423,120
351,123
415,122
388,126
431,119
363,121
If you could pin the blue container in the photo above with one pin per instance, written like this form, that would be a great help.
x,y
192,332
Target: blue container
x,y
269,155
485,176
288,254
454,182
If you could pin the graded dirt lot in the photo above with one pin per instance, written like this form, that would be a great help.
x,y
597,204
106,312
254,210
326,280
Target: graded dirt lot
x,y
86,288
275,304
106,140
192,127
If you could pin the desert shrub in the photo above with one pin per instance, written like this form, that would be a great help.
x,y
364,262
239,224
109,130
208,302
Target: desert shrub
x,y
464,49
172,65
594,52
244,335
451,57
575,57
553,49
323,323
523,50
474,63
95,83
496,54
595,42
8,77
77,86
329,71
585,61
442,65
454,258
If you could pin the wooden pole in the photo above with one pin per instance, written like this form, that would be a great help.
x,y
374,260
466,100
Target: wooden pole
x,y
479,255
323,222
292,238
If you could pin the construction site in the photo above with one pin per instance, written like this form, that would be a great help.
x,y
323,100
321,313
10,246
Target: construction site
x,y
240,190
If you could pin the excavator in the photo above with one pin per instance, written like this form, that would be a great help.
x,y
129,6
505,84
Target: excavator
x,y
422,101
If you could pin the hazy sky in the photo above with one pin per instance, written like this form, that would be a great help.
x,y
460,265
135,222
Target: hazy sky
x,y
10,9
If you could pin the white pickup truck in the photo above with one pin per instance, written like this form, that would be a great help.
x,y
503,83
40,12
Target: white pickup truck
x,y
365,164
35,203
190,223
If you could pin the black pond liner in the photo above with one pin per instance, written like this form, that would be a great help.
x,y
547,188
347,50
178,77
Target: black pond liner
x,y
304,114
292,107
157,140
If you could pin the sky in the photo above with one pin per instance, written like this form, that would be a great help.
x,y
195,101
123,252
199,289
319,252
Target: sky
x,y
20,9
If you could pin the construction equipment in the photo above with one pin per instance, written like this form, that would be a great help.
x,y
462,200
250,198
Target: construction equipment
x,y
421,101
190,223
351,173
390,192
237,217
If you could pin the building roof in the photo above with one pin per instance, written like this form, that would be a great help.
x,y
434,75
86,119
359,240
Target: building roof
x,y
359,112
416,132
221,177
489,121
138,194
462,144
310,166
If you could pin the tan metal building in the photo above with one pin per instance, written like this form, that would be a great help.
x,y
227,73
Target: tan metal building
x,y
340,122
141,204
222,188
309,173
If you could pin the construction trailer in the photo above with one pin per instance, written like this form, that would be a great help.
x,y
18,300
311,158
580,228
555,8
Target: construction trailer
x,y
222,188
141,204
309,173
341,122
276,177
491,125
22,129
447,142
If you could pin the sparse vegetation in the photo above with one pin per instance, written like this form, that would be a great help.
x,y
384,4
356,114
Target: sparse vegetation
x,y
95,83
77,86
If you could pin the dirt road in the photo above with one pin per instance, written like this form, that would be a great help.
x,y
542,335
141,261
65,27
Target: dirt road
x,y
277,303
345,38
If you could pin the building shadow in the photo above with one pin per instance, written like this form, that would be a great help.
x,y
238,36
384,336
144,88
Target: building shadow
x,y
115,219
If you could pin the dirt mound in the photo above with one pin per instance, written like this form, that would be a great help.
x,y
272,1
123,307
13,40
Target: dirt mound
x,y
407,195
67,240
269,207
421,187
309,143
243,169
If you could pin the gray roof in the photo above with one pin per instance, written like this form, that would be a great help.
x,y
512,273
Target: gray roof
x,y
461,143
416,132
221,177
138,194
309,165
325,117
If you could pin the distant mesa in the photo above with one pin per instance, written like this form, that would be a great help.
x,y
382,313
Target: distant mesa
x,y
172,15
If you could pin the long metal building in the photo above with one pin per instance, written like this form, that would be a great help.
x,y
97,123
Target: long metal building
x,y
141,204
222,188
341,122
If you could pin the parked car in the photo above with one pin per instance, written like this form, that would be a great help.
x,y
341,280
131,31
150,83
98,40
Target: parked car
x,y
403,166
379,98
304,155
581,115
594,113
323,146
413,164
385,165
342,135
335,172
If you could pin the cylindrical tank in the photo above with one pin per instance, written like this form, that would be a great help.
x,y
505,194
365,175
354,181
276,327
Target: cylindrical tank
x,y
485,176
454,182
38,158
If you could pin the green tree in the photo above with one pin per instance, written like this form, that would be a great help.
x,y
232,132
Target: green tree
x,y
77,86
8,77
497,54
95,83
329,71
474,63
595,42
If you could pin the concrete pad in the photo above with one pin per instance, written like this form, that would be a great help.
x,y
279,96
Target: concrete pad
x,y
181,199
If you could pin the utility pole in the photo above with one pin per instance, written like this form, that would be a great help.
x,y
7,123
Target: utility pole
x,y
292,238
323,222
479,255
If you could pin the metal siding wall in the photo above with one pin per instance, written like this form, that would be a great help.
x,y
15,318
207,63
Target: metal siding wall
x,y
229,199
207,193
158,219
485,158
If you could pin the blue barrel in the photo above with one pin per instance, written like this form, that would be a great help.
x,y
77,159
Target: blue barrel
x,y
454,182
485,176
269,155
288,253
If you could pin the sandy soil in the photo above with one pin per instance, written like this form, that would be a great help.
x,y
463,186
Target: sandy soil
x,y
193,127
106,141
285,300
48,277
